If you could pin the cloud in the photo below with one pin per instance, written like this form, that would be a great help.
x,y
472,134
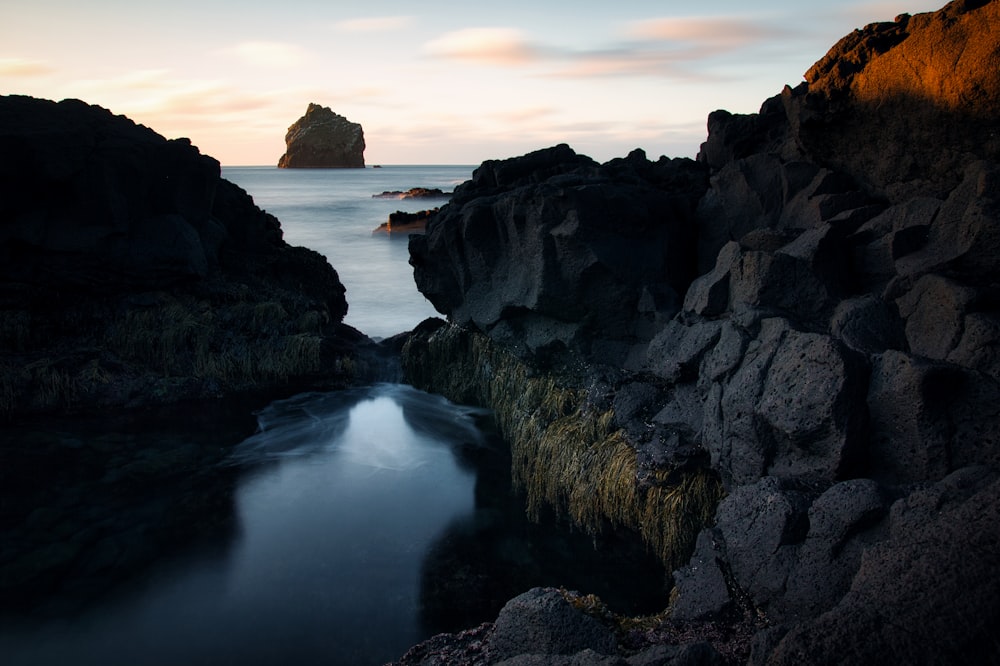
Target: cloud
x,y
622,62
664,47
24,67
374,24
495,46
702,36
275,55
680,48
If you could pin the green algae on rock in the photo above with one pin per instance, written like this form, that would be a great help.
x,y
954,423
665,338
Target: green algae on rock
x,y
567,453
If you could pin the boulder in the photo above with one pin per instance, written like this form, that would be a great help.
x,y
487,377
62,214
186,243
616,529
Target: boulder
x,y
542,622
792,408
323,139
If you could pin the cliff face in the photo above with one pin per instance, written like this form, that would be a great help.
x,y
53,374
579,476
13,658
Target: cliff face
x,y
323,139
130,272
832,359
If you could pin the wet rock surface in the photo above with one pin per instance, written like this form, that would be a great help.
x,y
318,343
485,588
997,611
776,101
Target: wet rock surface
x,y
827,345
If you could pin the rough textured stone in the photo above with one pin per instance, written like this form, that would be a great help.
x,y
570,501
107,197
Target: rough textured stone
x,y
762,526
700,587
792,408
867,324
925,595
555,246
323,139
843,521
676,352
933,312
542,621
708,295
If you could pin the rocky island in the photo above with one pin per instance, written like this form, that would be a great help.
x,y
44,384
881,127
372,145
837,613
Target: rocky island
x,y
777,363
325,140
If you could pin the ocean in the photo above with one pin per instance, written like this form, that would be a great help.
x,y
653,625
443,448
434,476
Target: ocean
x,y
333,212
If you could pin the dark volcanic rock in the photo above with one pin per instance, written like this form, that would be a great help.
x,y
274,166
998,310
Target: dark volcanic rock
x,y
131,273
556,249
541,621
927,594
323,139
820,327
414,193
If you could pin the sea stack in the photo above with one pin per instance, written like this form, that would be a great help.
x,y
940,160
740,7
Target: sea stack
x,y
323,139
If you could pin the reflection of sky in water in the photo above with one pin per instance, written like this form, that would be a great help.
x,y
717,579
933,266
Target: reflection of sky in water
x,y
346,529
343,496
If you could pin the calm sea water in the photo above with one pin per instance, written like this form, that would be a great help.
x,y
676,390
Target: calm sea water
x,y
327,528
333,212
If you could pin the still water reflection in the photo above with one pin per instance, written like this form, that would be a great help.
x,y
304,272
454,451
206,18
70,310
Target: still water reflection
x,y
350,526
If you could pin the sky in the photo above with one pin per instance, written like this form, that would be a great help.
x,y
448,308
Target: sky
x,y
430,82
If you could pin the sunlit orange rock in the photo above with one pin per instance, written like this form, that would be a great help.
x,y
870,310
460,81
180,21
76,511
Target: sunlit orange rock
x,y
323,139
903,105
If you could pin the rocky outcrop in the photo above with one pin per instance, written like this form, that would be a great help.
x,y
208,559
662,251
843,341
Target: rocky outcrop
x,y
131,273
825,346
323,139
555,251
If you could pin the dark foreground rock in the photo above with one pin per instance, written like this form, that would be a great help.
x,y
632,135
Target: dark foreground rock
x,y
813,330
131,273
323,139
550,627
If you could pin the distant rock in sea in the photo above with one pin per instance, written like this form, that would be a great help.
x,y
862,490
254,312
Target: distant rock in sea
x,y
323,139
402,223
414,193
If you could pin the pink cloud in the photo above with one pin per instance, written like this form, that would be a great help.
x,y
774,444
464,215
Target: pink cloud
x,y
703,34
496,46
24,67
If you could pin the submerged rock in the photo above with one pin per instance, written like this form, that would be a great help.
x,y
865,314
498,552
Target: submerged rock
x,y
323,139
